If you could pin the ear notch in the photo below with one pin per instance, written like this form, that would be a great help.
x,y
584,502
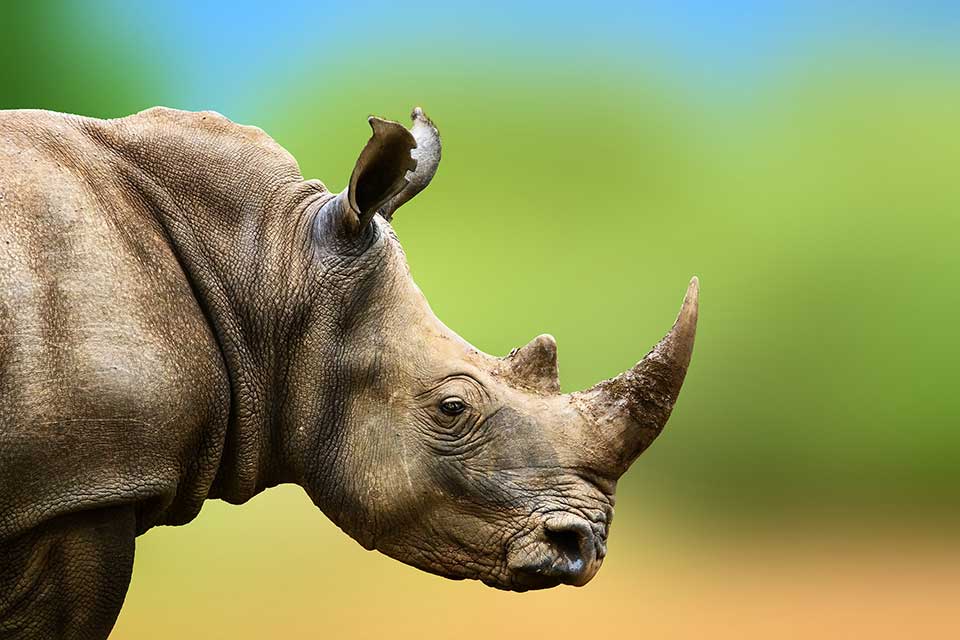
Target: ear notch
x,y
381,169
427,155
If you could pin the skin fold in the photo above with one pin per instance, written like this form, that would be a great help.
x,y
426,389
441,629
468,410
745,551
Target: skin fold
x,y
184,317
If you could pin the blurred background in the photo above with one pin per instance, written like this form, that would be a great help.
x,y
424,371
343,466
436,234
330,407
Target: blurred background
x,y
800,158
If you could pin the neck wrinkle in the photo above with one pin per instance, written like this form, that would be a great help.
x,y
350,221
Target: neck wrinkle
x,y
234,225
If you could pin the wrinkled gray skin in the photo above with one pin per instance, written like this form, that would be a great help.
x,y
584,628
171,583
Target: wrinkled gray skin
x,y
183,317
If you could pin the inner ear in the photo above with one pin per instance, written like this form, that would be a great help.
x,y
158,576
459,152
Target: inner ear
x,y
381,169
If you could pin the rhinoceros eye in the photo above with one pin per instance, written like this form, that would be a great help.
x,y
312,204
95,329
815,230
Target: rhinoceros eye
x,y
452,406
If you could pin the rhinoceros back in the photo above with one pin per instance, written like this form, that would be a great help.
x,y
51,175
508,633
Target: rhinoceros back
x,y
112,386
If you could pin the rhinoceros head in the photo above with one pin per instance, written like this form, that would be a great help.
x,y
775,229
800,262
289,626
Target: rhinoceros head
x,y
457,462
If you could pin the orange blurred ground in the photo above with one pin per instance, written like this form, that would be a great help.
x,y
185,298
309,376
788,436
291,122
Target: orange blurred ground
x,y
277,569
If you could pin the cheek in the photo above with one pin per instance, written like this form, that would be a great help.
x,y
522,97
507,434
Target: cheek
x,y
514,442
486,471
492,493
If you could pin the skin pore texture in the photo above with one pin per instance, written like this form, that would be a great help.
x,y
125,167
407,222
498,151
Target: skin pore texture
x,y
184,317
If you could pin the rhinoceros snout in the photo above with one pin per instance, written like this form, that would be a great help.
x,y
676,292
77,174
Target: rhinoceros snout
x,y
566,550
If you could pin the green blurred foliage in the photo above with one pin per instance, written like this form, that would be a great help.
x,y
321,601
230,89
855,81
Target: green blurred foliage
x,y
820,211
822,216
71,57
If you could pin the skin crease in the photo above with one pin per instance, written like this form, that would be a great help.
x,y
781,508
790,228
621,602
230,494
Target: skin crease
x,y
184,317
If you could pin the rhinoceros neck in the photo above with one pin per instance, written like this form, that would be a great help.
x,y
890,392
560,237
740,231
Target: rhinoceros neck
x,y
231,203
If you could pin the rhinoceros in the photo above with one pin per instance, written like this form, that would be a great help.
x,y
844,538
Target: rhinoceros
x,y
184,317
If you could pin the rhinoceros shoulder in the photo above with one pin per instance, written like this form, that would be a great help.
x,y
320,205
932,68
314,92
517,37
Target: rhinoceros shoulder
x,y
111,379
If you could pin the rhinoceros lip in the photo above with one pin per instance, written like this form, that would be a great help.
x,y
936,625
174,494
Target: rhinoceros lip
x,y
522,581
550,573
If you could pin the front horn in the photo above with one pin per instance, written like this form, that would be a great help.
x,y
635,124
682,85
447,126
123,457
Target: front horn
x,y
629,411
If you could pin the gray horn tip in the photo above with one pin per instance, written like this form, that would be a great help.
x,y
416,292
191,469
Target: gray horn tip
x,y
691,301
684,331
676,347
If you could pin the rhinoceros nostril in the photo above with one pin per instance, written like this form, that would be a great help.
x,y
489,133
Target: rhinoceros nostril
x,y
567,542
573,544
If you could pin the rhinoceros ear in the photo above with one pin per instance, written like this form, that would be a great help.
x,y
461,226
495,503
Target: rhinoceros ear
x,y
427,155
381,170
